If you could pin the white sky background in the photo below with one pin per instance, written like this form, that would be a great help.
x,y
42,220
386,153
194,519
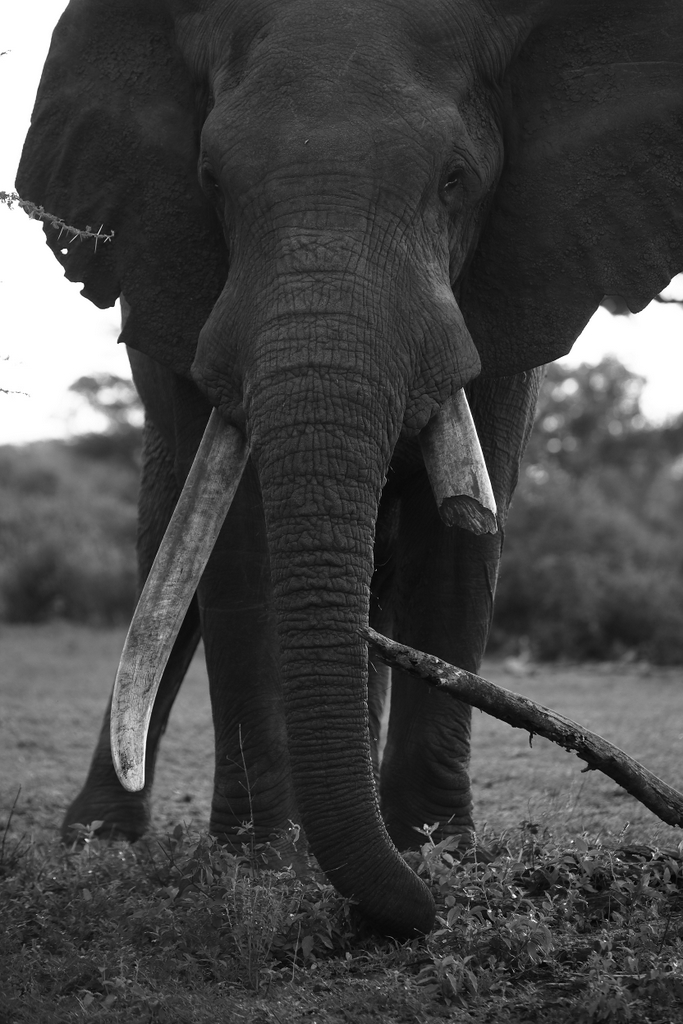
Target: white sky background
x,y
50,335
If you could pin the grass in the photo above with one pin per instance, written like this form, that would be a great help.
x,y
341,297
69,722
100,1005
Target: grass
x,y
55,681
570,916
636,707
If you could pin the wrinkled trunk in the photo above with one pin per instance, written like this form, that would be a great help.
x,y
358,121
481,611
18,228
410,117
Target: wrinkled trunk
x,y
322,445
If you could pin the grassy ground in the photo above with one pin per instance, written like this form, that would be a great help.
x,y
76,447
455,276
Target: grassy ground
x,y
637,708
55,681
560,926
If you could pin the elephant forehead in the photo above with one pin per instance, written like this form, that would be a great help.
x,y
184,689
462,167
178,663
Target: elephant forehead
x,y
309,132
245,137
361,47
212,29
236,35
370,87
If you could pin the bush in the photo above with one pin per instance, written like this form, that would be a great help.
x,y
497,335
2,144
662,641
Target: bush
x,y
44,582
585,577
67,536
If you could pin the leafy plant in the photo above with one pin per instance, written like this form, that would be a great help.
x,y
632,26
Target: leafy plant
x,y
176,928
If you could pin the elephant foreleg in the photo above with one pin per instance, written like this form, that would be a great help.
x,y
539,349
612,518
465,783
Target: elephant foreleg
x,y
252,776
444,599
102,797
444,586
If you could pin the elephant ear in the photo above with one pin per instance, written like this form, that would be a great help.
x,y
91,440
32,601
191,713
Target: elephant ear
x,y
590,201
113,142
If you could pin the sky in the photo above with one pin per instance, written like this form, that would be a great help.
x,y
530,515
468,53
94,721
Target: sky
x,y
50,336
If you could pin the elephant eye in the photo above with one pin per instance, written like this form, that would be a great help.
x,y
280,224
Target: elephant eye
x,y
452,182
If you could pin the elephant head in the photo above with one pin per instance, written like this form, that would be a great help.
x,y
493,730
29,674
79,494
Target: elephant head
x,y
331,215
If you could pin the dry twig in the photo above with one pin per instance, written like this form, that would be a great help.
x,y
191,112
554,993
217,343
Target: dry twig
x,y
39,213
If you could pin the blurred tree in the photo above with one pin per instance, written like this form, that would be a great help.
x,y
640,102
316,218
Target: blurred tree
x,y
593,564
115,400
582,410
113,397
589,420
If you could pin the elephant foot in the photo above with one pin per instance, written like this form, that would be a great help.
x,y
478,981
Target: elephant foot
x,y
426,799
123,815
282,849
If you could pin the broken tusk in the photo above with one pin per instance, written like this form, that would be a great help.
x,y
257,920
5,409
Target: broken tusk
x,y
184,551
456,468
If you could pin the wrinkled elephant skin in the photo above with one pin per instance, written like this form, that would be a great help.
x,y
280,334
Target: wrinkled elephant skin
x,y
329,217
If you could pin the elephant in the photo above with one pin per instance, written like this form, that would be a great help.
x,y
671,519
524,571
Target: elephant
x,y
337,225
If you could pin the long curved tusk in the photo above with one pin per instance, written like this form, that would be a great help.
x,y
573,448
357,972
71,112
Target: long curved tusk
x,y
184,551
456,468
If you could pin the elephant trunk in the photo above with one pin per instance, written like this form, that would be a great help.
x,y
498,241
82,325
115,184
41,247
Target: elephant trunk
x,y
321,480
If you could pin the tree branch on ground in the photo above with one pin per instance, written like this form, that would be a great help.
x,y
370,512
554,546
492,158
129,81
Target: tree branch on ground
x,y
523,713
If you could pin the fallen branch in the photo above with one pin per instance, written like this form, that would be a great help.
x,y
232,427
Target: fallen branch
x,y
522,713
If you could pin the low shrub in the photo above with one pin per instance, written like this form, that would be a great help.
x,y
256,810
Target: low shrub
x,y
177,929
585,576
43,582
67,536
